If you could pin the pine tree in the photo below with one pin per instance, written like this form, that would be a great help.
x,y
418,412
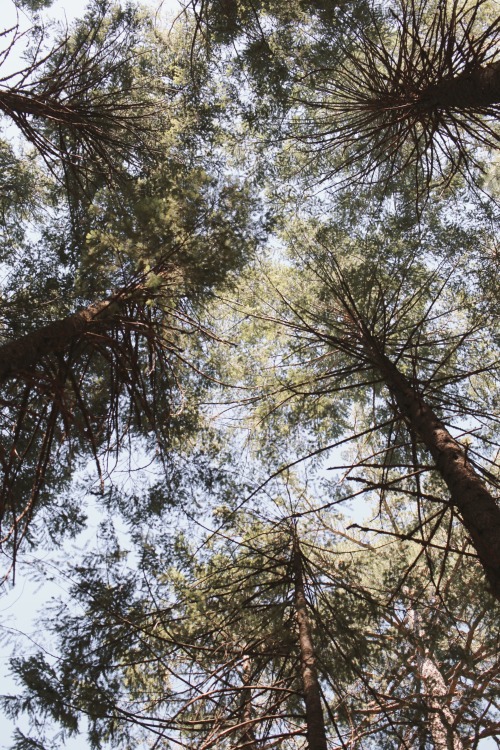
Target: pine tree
x,y
261,638
416,88
102,297
376,336
364,342
80,98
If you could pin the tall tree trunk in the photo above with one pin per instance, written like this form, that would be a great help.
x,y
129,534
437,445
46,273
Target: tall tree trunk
x,y
21,354
18,105
441,722
316,735
475,89
440,717
248,739
476,505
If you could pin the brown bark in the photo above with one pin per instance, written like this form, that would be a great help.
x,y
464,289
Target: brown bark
x,y
441,722
477,506
15,104
101,125
248,739
476,89
440,717
316,735
21,354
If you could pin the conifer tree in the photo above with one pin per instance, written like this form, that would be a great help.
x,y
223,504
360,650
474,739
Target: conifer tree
x,y
102,296
271,640
415,88
365,343
79,97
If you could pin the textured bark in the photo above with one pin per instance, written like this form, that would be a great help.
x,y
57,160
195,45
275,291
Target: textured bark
x,y
440,717
441,722
476,89
23,353
316,735
17,105
477,506
248,739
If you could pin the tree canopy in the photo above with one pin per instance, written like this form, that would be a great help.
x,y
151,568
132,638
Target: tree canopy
x,y
249,330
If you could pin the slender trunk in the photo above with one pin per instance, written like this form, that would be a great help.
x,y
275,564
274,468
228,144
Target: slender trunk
x,y
18,105
316,735
248,739
440,717
475,89
21,354
476,505
441,723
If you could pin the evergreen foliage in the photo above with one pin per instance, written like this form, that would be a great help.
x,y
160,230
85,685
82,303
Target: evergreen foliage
x,y
247,253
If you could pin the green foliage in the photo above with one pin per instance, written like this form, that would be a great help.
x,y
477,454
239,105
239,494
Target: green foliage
x,y
155,234
33,5
174,648
230,394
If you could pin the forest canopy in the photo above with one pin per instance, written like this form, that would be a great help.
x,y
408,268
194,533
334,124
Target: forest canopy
x,y
249,374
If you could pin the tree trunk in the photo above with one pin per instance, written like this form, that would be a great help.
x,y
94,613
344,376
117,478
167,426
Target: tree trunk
x,y
440,717
316,735
441,723
18,105
476,505
21,354
476,89
248,739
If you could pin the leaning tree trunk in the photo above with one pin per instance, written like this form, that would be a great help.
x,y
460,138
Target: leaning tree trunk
x,y
21,354
477,506
476,89
441,721
19,105
248,739
316,735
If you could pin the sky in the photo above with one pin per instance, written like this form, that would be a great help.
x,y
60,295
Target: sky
x,y
20,604
67,10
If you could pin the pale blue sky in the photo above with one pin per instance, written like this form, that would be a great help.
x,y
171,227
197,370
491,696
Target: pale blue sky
x,y
19,605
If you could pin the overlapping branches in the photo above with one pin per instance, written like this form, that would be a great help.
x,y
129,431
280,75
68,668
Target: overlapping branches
x,y
82,103
374,333
418,88
208,655
87,382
